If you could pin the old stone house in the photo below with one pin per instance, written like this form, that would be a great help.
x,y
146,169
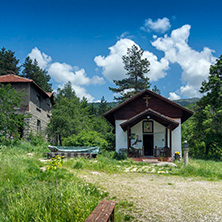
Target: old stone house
x,y
36,102
148,125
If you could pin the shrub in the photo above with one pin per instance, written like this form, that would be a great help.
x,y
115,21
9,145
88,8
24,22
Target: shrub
x,y
36,140
86,138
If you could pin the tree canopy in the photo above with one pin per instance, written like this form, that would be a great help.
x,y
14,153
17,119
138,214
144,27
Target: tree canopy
x,y
136,66
11,120
69,115
8,62
33,71
205,128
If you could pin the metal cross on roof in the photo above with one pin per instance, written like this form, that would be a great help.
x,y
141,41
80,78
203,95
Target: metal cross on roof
x,y
147,100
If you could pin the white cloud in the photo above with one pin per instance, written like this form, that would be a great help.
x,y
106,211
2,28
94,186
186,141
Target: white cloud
x,y
157,68
173,96
160,25
62,73
123,35
42,59
96,80
195,65
81,92
113,67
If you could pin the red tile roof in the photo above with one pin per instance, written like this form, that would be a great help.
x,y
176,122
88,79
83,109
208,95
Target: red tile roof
x,y
49,93
14,78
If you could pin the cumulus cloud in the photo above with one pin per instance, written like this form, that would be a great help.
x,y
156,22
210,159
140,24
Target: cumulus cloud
x,y
112,64
160,25
195,65
113,67
63,72
42,59
96,80
173,96
81,92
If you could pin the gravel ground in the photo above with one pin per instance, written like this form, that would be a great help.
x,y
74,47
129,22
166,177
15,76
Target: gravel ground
x,y
163,198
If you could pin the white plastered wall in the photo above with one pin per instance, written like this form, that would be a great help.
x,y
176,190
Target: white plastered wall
x,y
121,136
176,139
159,136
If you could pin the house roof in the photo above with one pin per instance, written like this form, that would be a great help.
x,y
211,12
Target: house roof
x,y
158,117
12,78
109,115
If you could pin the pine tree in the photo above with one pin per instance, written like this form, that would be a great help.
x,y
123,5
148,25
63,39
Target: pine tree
x,y
156,90
8,62
33,71
136,67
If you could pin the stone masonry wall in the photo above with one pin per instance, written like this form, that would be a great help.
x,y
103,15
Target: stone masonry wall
x,y
37,114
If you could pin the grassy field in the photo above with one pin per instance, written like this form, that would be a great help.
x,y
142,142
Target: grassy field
x,y
28,190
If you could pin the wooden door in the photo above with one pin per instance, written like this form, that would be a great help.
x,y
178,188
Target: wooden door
x,y
148,144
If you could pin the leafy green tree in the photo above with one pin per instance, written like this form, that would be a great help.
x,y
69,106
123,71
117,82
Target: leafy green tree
x,y
69,115
8,62
206,138
136,67
33,71
11,120
86,138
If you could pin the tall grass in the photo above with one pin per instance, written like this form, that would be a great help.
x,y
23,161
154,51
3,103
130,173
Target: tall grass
x,y
208,169
28,194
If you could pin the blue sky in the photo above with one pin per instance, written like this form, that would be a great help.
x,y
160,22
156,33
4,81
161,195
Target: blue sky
x,y
83,41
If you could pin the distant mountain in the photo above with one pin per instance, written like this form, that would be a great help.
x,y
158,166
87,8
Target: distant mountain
x,y
185,102
182,102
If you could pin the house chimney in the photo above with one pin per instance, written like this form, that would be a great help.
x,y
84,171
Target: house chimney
x,y
10,72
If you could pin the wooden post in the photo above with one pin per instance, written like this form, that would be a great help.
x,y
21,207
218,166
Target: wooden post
x,y
166,137
128,139
185,151
143,151
155,151
170,142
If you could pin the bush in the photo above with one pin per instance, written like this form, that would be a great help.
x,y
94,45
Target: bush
x,y
36,140
86,138
121,155
9,141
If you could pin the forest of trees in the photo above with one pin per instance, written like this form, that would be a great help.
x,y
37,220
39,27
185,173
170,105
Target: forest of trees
x,y
76,122
30,69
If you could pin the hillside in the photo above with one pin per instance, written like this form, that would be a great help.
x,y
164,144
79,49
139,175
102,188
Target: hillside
x,y
182,102
185,102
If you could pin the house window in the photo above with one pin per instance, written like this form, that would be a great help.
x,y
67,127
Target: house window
x,y
49,106
38,101
38,126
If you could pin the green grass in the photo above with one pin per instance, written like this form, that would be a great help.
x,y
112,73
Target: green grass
x,y
28,194
207,169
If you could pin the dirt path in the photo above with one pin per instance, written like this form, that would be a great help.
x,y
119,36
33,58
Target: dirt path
x,y
163,198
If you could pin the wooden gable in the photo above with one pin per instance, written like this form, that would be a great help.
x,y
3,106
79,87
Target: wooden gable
x,y
144,100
